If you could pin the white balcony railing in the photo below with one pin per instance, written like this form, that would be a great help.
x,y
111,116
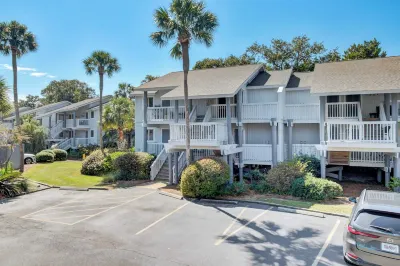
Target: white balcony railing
x,y
363,132
82,122
201,153
159,114
257,153
349,110
158,163
218,111
302,149
367,158
199,132
81,142
259,111
302,112
154,148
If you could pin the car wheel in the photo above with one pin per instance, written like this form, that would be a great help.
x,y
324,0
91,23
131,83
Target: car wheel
x,y
28,161
347,261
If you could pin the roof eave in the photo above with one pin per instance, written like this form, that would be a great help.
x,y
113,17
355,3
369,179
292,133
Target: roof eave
x,y
157,88
355,92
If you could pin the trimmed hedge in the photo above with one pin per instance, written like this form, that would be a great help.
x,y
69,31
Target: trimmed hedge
x,y
205,178
133,166
60,155
312,188
94,164
108,162
313,164
281,177
45,156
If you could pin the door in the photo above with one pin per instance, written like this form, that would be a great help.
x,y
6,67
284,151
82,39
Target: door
x,y
165,135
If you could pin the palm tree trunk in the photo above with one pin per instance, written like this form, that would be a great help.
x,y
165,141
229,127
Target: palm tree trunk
x,y
17,118
101,75
185,59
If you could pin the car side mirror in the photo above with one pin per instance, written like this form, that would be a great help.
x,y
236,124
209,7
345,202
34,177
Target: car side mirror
x,y
353,199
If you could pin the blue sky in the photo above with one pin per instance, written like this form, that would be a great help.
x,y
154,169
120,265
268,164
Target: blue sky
x,y
69,30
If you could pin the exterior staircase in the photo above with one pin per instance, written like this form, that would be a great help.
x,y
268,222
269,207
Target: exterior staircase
x,y
163,174
199,118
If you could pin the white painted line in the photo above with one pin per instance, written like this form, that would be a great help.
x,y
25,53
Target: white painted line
x,y
326,244
69,211
47,221
84,205
232,223
159,220
67,217
219,242
126,202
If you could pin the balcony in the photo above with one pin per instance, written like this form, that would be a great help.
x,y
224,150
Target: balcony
x,y
164,114
259,112
218,111
80,123
340,111
303,113
206,135
257,154
351,134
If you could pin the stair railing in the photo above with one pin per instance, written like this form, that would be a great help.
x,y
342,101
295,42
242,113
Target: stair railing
x,y
157,164
181,164
56,129
207,116
193,115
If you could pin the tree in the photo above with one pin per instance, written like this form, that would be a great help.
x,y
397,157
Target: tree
x,y
30,101
17,40
330,56
67,90
5,105
368,49
149,78
35,133
124,89
231,60
185,21
102,63
118,115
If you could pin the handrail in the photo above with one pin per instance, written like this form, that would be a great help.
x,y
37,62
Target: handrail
x,y
342,110
56,129
207,116
382,115
359,112
157,164
65,144
193,114
181,164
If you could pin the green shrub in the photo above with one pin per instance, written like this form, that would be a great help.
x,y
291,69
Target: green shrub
x,y
312,188
45,156
108,179
260,186
313,164
94,164
394,184
133,166
204,178
281,177
60,155
23,185
255,175
50,151
236,189
108,162
87,150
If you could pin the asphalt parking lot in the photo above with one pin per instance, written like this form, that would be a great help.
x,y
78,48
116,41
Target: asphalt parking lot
x,y
138,226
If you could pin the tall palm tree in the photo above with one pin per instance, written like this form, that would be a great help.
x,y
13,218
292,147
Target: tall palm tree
x,y
102,63
185,21
119,115
17,40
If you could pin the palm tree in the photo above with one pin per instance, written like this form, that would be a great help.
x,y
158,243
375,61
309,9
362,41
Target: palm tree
x,y
102,63
148,78
185,21
118,115
17,40
124,90
5,106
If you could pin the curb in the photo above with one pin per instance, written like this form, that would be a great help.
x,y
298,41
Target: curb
x,y
74,188
285,209
40,183
170,195
23,194
98,188
219,201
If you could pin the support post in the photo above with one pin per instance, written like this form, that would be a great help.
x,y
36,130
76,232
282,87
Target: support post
x,y
396,170
290,139
387,170
240,132
387,105
322,114
274,143
280,115
49,121
229,129
170,178
75,119
379,175
74,137
145,121
65,120
176,154
323,164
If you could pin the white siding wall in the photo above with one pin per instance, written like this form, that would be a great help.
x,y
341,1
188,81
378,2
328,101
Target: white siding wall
x,y
300,97
304,134
138,136
258,134
262,95
369,102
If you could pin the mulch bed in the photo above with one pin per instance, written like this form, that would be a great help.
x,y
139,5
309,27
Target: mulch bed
x,y
352,189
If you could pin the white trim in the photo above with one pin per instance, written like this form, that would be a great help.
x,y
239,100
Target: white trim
x,y
263,87
355,92
299,88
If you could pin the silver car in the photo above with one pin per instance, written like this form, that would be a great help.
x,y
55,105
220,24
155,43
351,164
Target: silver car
x,y
29,158
372,236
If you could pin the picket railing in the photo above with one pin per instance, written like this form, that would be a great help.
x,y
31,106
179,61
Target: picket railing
x,y
302,112
344,110
56,129
364,132
80,142
154,148
201,153
82,122
157,114
65,144
367,158
218,111
181,164
157,164
257,153
199,132
259,111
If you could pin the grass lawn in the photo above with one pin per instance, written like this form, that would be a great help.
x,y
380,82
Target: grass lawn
x,y
66,173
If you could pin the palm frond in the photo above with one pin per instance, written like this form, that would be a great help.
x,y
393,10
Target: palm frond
x,y
16,35
159,38
176,51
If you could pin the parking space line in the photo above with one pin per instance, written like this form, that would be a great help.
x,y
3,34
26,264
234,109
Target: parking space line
x,y
240,228
43,220
83,205
232,223
326,244
70,211
126,202
68,217
164,217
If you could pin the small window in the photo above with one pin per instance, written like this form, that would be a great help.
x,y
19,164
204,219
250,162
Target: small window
x,y
165,103
150,135
92,114
150,102
332,99
92,133
87,115
70,116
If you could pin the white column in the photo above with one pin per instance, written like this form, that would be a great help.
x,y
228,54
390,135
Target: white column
x,y
280,117
274,143
145,121
170,177
229,129
322,104
290,139
387,105
176,154
240,132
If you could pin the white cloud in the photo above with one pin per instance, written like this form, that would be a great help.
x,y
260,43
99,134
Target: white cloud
x,y
38,74
51,76
8,67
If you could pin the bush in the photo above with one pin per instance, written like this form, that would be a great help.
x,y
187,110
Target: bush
x,y
87,150
45,156
312,188
236,189
255,175
260,186
281,177
394,184
94,164
313,164
23,185
50,151
204,178
133,166
108,162
60,155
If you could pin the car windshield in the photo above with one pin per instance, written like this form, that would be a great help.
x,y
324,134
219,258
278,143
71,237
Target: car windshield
x,y
381,221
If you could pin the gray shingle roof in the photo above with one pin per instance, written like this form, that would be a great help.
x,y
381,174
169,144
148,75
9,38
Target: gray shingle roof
x,y
214,82
300,80
274,78
45,108
357,76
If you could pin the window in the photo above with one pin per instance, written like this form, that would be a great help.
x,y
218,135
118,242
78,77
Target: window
x,y
70,116
353,98
165,103
92,114
150,135
87,115
150,102
92,133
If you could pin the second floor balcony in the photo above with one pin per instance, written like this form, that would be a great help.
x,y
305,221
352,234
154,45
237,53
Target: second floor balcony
x,y
79,123
164,114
